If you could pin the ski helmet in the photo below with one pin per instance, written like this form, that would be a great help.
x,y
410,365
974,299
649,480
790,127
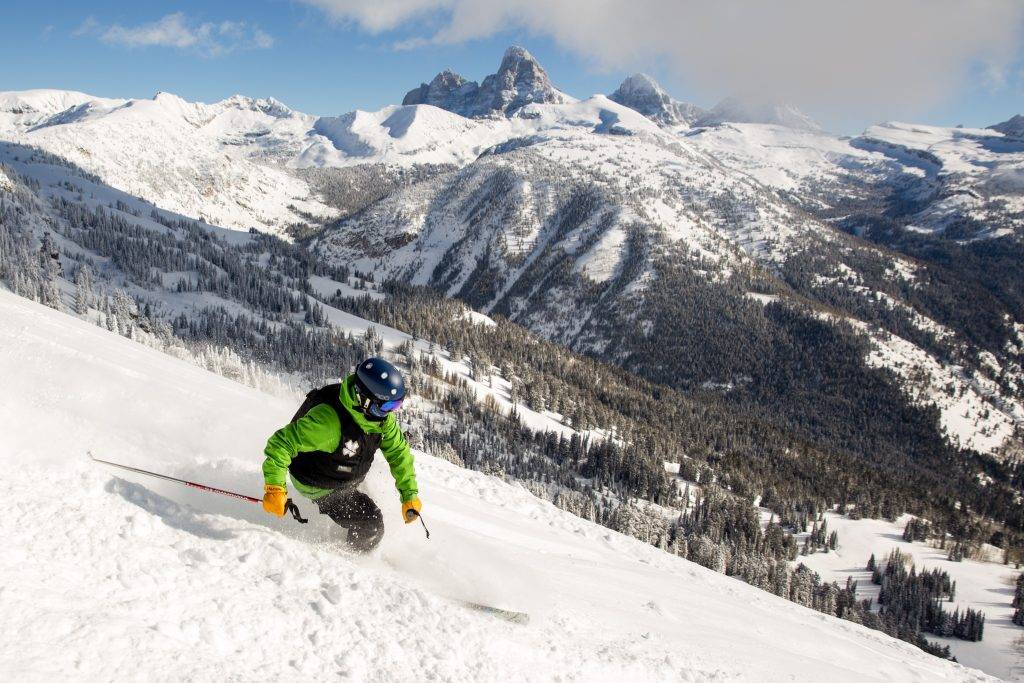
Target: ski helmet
x,y
380,386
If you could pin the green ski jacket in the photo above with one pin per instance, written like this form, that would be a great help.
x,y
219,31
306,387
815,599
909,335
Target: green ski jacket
x,y
320,430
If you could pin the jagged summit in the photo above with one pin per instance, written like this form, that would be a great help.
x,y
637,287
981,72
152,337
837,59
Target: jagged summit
x,y
643,94
520,80
448,91
1012,127
736,110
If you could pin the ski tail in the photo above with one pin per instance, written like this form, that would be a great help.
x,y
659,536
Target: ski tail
x,y
506,614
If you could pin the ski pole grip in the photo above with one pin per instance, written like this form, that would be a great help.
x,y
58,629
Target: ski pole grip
x,y
291,507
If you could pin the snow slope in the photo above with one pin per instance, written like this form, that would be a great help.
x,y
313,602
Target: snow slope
x,y
126,577
408,135
787,158
215,162
980,172
987,586
947,174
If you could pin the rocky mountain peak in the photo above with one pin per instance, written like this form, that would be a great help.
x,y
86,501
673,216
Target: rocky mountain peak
x,y
520,80
518,65
641,86
643,94
1012,127
448,91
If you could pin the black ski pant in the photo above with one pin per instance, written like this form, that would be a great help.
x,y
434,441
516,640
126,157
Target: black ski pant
x,y
358,514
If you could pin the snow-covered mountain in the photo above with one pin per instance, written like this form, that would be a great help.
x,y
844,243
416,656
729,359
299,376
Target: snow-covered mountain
x,y
565,220
221,162
578,218
976,176
1012,127
738,110
927,179
32,107
642,93
520,80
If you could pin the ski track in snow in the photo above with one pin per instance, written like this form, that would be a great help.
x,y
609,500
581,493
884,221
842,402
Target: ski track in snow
x,y
112,576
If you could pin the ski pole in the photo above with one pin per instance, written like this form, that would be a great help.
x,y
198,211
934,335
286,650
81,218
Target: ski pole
x,y
417,514
289,505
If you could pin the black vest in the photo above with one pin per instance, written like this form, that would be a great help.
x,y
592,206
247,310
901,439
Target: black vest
x,y
348,464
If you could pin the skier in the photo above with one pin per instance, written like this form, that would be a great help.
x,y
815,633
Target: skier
x,y
329,445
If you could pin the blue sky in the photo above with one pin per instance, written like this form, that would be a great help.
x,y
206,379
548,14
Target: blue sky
x,y
324,57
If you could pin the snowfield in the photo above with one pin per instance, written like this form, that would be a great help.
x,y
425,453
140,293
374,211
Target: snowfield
x,y
986,586
215,162
113,576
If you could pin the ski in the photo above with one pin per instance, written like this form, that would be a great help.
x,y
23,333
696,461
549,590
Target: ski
x,y
506,614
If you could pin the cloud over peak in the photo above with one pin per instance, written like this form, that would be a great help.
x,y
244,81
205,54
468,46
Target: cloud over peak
x,y
832,54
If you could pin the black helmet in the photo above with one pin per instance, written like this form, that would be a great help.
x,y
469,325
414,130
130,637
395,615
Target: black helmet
x,y
380,387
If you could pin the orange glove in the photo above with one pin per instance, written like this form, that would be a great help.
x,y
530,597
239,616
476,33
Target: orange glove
x,y
274,498
410,510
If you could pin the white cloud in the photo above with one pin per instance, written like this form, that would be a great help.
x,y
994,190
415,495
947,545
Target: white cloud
x,y
210,39
88,25
830,54
995,76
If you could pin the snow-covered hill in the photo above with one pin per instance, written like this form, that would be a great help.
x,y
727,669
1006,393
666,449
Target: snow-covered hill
x,y
978,175
218,162
932,178
123,576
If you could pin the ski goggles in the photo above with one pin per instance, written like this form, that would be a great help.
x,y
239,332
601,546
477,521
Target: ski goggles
x,y
382,409
390,406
